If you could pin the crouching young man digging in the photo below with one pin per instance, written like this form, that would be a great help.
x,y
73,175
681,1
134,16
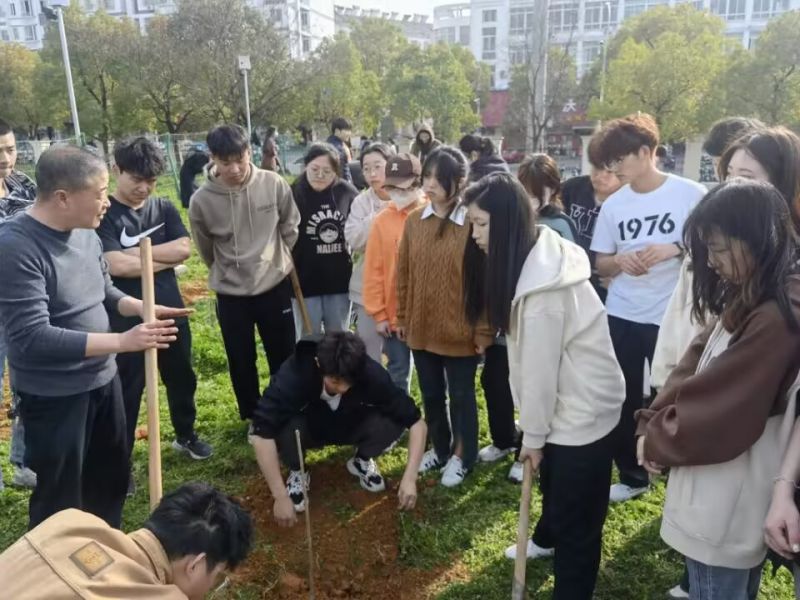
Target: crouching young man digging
x,y
334,394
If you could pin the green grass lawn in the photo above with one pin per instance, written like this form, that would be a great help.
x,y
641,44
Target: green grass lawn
x,y
468,527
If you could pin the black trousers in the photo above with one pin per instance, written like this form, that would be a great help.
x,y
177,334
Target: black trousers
x,y
371,438
239,316
634,343
175,368
78,449
499,402
574,481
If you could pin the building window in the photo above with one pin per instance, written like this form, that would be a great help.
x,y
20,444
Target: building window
x,y
599,15
489,43
4,35
636,7
520,20
306,44
517,55
276,15
731,10
446,34
111,6
145,5
12,9
305,18
26,8
30,33
489,16
753,41
463,36
563,16
764,9
591,52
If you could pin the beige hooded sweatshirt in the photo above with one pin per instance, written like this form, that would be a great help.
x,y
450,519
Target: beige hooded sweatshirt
x,y
245,235
564,375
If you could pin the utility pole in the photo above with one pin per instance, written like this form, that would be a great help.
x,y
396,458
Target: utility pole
x,y
57,13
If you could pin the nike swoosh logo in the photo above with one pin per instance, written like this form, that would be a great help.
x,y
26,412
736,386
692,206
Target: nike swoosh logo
x,y
129,241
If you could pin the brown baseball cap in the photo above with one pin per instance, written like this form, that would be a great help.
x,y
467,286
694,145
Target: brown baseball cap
x,y
402,170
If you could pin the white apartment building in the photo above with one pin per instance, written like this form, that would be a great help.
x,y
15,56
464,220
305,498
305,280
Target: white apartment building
x,y
19,22
305,23
418,29
498,28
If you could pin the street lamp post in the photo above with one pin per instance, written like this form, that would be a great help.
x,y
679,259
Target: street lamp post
x,y
606,21
244,67
57,13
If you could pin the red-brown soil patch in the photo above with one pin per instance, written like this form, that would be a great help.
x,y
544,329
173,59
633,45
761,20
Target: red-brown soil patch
x,y
355,541
193,291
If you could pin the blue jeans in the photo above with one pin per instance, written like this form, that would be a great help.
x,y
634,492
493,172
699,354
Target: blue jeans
x,y
331,312
439,375
399,365
365,327
721,583
17,453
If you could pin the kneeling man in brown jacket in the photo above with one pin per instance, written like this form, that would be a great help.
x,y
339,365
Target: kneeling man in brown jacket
x,y
193,537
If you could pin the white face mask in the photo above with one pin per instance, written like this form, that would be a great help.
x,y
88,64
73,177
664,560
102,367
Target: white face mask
x,y
403,198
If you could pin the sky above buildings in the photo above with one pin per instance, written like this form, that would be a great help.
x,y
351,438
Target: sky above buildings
x,y
422,7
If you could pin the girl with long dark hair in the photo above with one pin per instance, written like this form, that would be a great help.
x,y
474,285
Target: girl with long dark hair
x,y
722,421
534,286
431,320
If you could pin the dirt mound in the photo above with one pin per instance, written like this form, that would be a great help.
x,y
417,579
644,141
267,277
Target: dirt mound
x,y
355,539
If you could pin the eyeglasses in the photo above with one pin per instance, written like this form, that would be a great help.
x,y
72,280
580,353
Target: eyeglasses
x,y
226,583
320,173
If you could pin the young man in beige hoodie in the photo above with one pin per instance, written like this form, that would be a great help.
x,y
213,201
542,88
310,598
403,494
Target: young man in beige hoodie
x,y
244,222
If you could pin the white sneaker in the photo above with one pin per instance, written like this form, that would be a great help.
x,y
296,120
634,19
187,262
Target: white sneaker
x,y
678,593
294,486
491,453
532,551
620,492
430,460
516,472
454,472
367,473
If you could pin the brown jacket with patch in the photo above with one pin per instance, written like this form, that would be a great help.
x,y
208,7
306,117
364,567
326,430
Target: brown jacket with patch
x,y
74,554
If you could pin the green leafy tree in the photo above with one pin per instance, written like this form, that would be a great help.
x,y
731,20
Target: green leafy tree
x,y
432,84
765,82
204,38
28,97
338,85
669,73
98,46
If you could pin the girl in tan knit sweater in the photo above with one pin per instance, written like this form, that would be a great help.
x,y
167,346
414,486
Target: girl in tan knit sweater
x,y
431,318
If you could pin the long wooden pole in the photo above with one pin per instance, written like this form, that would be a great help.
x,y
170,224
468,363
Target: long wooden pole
x,y
311,594
518,587
298,294
151,378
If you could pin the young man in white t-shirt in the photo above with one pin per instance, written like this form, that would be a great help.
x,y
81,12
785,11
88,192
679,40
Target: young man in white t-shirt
x,y
638,240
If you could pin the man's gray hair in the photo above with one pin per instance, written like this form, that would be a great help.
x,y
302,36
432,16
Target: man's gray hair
x,y
67,168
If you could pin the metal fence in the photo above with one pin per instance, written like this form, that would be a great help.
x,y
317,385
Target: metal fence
x,y
176,147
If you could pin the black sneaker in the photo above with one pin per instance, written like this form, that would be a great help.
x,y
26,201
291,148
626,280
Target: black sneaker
x,y
294,486
195,447
367,473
